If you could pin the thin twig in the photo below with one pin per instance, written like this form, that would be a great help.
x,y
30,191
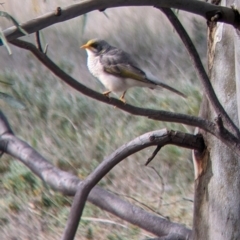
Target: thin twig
x,y
38,41
158,148
177,201
207,86
143,204
162,183
161,178
188,199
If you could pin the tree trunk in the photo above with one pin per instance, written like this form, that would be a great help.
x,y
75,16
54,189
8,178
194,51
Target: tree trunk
x,y
217,187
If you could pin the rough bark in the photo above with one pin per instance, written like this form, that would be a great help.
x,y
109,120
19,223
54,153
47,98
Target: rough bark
x,y
217,187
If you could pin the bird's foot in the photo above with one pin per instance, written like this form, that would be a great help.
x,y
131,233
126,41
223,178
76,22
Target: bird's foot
x,y
122,99
106,93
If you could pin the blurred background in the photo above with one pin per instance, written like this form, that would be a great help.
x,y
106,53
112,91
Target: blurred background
x,y
75,132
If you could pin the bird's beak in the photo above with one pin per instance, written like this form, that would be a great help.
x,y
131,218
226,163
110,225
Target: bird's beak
x,y
85,46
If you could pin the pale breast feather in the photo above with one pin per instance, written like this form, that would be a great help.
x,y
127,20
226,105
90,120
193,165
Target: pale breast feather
x,y
94,66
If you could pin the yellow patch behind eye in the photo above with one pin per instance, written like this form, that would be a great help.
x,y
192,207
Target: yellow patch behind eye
x,y
89,43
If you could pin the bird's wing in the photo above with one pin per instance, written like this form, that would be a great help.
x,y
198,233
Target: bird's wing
x,y
126,71
119,63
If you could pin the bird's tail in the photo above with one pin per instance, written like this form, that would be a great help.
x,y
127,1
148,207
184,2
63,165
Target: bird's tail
x,y
164,85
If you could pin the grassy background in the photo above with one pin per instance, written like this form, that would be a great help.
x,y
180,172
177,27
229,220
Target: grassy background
x,y
75,132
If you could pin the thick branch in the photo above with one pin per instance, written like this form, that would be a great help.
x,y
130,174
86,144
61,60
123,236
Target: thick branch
x,y
225,136
152,114
201,8
67,183
207,86
160,138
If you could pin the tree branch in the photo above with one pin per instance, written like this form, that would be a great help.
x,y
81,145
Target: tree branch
x,y
207,86
67,183
201,8
159,138
38,41
225,136
152,114
158,148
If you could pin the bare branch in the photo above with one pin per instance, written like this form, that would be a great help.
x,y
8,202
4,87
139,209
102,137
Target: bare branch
x,y
207,86
67,183
38,41
162,184
225,136
219,123
158,148
201,8
159,137
152,114
141,203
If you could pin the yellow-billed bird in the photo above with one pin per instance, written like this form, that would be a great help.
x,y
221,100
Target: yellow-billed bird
x,y
116,69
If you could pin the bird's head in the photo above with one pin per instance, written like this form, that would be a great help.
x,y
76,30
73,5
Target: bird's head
x,y
96,46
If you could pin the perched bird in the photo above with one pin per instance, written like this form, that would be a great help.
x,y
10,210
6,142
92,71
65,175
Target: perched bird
x,y
116,70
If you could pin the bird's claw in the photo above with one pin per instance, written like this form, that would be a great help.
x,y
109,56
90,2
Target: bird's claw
x,y
106,93
122,99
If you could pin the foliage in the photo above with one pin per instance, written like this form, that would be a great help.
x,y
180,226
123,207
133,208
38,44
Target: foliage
x,y
3,40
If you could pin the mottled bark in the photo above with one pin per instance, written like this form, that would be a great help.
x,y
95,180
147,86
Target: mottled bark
x,y
217,187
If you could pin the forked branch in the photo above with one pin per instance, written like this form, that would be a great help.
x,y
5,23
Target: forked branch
x,y
159,137
197,63
67,183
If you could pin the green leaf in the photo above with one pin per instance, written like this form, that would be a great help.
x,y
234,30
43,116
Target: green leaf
x,y
11,101
84,23
15,22
4,41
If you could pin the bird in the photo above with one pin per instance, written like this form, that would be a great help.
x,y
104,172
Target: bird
x,y
117,70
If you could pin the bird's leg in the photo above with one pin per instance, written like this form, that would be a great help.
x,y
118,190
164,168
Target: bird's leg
x,y
122,97
106,93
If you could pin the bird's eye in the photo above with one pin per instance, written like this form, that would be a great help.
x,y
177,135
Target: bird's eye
x,y
95,45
